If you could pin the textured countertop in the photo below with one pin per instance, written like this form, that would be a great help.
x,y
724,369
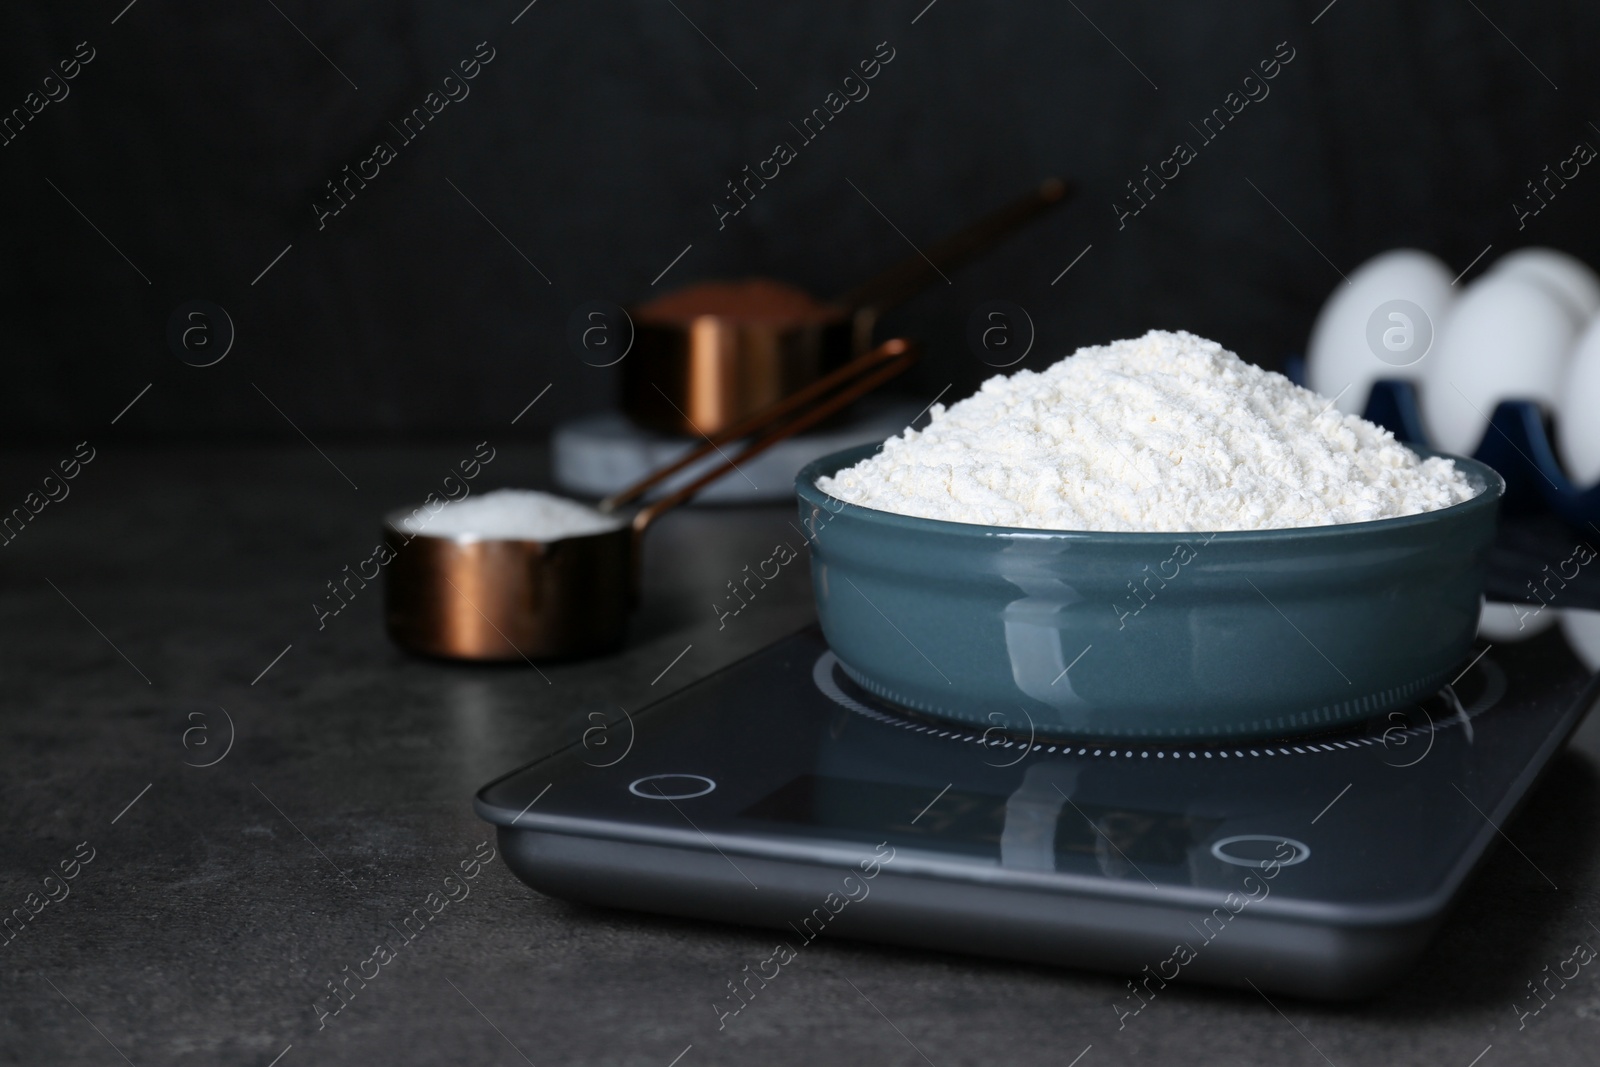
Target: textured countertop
x,y
164,608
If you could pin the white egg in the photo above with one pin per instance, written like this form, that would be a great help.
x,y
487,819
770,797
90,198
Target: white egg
x,y
1506,339
1582,631
1569,277
1504,623
1578,410
1357,339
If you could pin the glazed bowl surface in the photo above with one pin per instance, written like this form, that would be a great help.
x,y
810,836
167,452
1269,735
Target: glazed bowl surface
x,y
1148,635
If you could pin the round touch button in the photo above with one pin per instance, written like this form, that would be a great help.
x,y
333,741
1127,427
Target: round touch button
x,y
1258,850
671,786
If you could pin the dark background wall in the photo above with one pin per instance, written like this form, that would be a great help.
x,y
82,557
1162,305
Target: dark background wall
x,y
201,134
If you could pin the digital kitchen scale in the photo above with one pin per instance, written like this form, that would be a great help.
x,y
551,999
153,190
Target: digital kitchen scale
x,y
780,794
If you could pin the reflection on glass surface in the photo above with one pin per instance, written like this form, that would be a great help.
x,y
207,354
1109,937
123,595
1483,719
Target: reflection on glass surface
x,y
1037,827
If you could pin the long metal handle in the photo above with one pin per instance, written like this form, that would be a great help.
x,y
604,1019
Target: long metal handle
x,y
899,352
807,407
914,273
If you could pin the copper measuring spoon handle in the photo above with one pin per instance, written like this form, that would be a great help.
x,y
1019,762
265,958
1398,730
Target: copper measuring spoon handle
x,y
813,404
914,273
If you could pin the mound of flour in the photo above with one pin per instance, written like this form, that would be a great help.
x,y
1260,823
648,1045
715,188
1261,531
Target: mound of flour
x,y
1167,432
517,514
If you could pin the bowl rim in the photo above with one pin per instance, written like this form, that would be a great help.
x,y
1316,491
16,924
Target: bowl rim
x,y
1493,489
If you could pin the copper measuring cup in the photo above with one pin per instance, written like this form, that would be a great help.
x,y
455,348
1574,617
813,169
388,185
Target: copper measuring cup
x,y
706,372
509,599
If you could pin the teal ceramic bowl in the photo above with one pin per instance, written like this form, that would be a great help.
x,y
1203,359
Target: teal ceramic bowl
x,y
1148,635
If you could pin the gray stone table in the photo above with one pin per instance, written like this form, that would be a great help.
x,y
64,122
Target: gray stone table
x,y
171,593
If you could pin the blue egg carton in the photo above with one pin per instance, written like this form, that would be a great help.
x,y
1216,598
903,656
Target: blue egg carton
x,y
1517,444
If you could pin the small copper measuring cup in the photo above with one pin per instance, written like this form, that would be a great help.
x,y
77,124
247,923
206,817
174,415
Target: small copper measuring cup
x,y
511,598
700,373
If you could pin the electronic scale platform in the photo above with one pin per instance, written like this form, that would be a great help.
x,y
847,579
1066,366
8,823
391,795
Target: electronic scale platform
x,y
778,793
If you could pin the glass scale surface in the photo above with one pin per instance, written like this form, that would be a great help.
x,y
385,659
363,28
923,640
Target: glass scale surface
x,y
766,794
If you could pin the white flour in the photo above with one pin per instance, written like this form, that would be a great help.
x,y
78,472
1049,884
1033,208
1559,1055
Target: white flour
x,y
521,514
1168,432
